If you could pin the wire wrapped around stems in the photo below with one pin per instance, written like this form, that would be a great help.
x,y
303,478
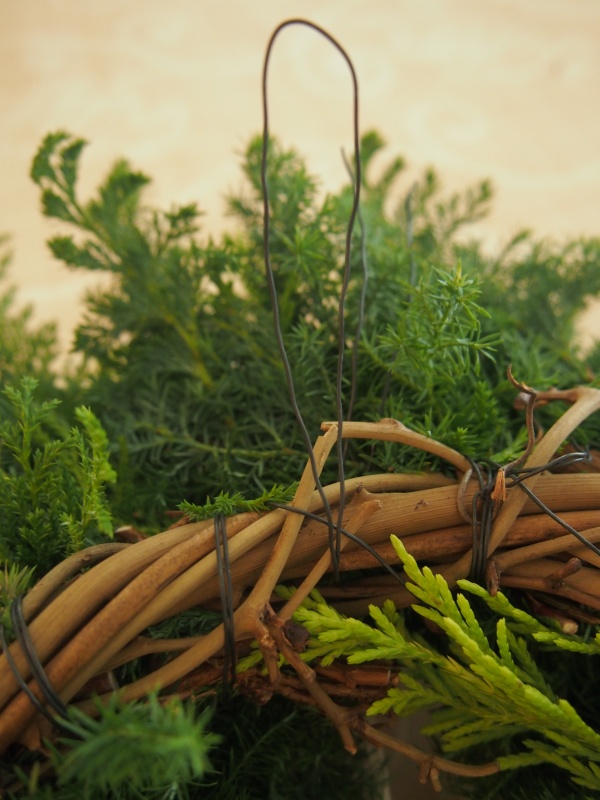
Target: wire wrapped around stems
x,y
227,603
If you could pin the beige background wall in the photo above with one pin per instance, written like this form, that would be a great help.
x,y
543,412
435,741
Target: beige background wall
x,y
507,89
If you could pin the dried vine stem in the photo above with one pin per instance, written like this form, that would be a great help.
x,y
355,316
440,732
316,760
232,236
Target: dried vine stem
x,y
54,580
566,543
363,505
261,593
67,667
406,513
392,430
80,599
430,765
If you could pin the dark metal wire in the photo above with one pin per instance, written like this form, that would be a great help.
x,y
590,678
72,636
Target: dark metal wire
x,y
561,461
560,521
484,505
348,535
37,670
361,304
226,592
20,680
521,475
334,541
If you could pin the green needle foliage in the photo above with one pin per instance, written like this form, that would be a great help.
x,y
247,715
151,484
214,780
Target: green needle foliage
x,y
191,411
183,366
226,503
52,492
100,758
104,753
284,752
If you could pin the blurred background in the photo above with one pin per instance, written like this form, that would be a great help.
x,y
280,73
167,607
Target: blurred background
x,y
503,89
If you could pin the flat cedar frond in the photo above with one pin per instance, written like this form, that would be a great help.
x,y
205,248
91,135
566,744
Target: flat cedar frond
x,y
522,622
481,694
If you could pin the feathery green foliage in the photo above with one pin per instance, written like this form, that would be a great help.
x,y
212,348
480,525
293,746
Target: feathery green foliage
x,y
183,365
182,371
104,753
226,503
24,350
52,493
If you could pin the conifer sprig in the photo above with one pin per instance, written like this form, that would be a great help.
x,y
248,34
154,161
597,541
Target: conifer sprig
x,y
134,747
480,691
228,504
52,489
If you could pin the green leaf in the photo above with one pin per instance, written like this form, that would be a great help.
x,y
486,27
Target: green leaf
x,y
54,206
42,163
64,248
69,163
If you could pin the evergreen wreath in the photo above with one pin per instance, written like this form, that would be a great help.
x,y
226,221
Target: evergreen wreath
x,y
307,588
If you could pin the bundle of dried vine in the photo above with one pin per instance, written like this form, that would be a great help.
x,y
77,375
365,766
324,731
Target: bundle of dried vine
x,y
89,614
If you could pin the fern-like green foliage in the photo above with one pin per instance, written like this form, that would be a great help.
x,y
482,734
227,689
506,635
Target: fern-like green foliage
x,y
103,754
437,338
185,371
52,492
480,690
228,504
183,366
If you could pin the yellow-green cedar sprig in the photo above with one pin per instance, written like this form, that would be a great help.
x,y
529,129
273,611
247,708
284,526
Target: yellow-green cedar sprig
x,y
482,693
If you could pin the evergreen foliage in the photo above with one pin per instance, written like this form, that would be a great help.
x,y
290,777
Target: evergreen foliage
x,y
169,739
52,496
101,758
23,350
226,503
182,373
284,752
480,691
181,348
